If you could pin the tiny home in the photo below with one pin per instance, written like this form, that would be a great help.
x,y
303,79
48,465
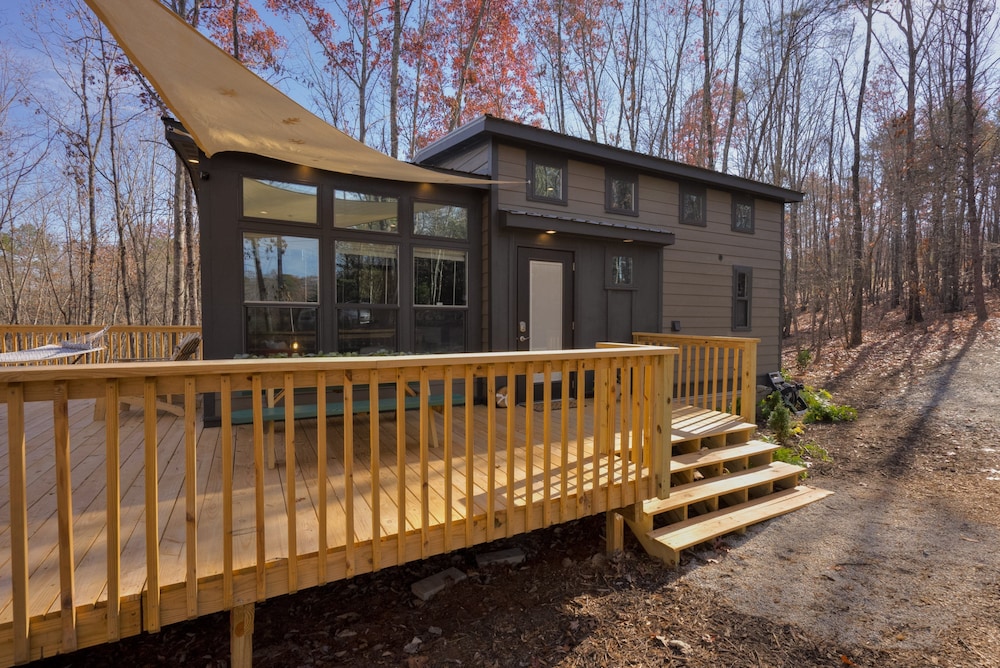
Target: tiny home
x,y
640,243
565,243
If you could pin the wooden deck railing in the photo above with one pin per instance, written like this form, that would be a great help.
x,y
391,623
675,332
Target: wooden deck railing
x,y
155,555
714,372
121,341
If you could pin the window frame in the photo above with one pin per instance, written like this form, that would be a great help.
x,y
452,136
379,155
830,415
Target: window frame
x,y
409,320
690,189
610,176
744,200
536,159
738,301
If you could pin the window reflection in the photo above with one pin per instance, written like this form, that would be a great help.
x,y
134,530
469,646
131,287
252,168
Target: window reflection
x,y
279,268
280,330
440,220
439,277
440,330
367,273
366,331
365,211
278,200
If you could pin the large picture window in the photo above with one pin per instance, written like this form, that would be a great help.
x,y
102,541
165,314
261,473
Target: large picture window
x,y
367,296
280,293
439,277
348,264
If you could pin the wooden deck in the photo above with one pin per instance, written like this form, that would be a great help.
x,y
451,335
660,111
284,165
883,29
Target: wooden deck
x,y
116,526
365,493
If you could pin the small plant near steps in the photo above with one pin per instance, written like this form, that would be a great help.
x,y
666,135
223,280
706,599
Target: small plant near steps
x,y
722,481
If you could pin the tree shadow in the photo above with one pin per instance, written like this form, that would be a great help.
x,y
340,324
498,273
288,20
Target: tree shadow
x,y
900,459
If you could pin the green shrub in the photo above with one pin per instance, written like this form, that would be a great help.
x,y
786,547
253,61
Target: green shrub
x,y
822,409
779,418
803,358
802,455
789,455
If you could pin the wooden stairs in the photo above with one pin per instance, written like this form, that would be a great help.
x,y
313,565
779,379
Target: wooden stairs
x,y
721,481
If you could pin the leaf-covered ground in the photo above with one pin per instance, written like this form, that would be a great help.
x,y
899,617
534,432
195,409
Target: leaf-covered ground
x,y
899,568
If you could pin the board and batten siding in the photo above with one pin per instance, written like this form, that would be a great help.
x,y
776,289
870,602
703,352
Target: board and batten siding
x,y
585,193
698,268
698,274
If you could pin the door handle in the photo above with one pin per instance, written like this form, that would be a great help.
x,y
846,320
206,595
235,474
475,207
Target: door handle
x,y
522,338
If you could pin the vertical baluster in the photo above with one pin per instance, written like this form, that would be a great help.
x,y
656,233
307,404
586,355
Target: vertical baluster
x,y
18,521
376,474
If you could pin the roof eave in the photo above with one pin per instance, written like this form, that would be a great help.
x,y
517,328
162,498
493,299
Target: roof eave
x,y
486,127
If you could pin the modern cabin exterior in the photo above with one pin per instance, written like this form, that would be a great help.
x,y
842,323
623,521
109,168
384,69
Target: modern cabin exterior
x,y
657,245
566,243
512,261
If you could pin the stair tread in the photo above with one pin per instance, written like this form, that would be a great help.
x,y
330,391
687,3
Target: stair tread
x,y
709,488
690,423
681,535
704,457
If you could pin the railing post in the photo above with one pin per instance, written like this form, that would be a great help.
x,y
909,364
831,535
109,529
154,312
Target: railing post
x,y
748,405
662,419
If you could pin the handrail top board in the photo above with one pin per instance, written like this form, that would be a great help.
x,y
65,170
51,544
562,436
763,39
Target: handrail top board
x,y
311,364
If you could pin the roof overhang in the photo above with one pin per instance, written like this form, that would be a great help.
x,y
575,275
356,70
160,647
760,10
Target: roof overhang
x,y
226,107
599,229
485,128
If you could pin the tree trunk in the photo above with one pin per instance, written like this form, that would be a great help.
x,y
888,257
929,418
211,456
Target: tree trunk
x,y
971,209
857,226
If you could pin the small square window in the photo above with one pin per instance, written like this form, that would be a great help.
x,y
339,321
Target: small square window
x,y
693,209
743,215
621,271
546,179
621,192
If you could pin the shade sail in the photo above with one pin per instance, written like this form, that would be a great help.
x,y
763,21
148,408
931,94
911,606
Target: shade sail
x,y
226,107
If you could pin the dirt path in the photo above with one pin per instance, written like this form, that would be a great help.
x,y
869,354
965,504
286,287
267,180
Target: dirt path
x,y
900,567
903,559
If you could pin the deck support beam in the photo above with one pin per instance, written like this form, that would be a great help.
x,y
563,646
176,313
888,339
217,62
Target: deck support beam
x,y
241,620
615,532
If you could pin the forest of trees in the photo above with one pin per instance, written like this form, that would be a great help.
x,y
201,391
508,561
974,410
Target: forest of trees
x,y
884,113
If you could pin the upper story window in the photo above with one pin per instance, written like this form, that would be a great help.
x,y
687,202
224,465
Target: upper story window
x,y
621,192
693,205
440,220
546,179
365,211
743,214
279,200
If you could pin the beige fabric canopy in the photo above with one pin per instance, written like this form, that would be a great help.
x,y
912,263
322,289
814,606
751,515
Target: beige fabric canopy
x,y
226,107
